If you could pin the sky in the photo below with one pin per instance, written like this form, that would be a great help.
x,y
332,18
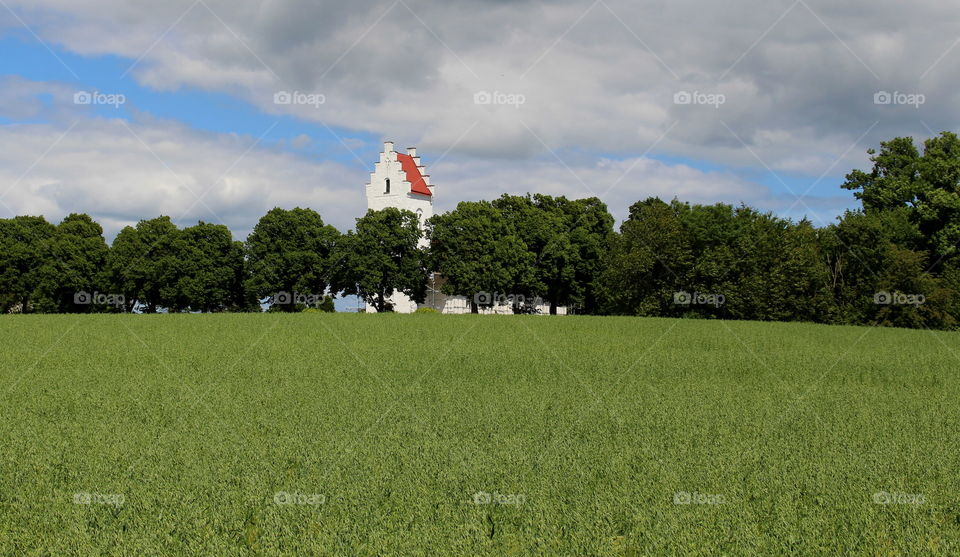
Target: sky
x,y
220,110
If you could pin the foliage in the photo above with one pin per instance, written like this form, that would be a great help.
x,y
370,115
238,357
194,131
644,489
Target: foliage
x,y
475,249
290,251
21,257
670,259
382,257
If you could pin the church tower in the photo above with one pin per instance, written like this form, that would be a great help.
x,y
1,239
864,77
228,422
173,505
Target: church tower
x,y
400,180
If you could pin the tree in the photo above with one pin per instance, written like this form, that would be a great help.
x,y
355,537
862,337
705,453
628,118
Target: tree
x,y
382,257
874,256
894,180
927,185
476,251
71,272
143,264
22,241
290,251
210,273
647,261
567,240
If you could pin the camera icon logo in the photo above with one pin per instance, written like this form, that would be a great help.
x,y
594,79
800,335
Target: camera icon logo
x,y
682,298
82,97
483,298
282,97
82,499
481,498
82,298
682,498
882,97
682,97
482,97
881,498
882,298
283,298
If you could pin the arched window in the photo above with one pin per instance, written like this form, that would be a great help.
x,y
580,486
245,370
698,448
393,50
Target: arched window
x,y
387,189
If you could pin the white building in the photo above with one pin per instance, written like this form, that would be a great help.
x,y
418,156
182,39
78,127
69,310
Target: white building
x,y
400,180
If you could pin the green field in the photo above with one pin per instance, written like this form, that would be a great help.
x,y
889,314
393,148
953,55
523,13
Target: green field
x,y
342,434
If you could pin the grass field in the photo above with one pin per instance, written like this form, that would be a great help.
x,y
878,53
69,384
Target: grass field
x,y
474,435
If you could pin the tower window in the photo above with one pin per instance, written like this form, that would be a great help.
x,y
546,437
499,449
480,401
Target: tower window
x,y
387,188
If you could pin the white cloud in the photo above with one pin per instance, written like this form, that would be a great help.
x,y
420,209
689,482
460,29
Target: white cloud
x,y
121,171
798,77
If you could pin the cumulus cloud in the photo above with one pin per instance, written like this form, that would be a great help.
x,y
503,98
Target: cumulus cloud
x,y
598,82
118,170
121,171
798,76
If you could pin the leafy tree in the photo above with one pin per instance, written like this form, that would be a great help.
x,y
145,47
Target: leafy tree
x,y
143,264
877,253
927,185
22,241
290,251
567,240
894,180
647,261
382,257
210,273
475,249
71,271
326,305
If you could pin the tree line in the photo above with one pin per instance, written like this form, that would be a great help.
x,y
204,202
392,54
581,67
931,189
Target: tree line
x,y
894,262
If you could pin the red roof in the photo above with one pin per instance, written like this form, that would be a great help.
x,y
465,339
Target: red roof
x,y
417,183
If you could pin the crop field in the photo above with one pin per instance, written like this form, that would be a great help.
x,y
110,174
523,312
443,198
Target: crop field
x,y
338,434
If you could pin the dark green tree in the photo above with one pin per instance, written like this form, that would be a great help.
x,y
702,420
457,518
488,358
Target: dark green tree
x,y
143,264
382,257
22,244
290,251
647,261
71,273
567,240
210,273
475,249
